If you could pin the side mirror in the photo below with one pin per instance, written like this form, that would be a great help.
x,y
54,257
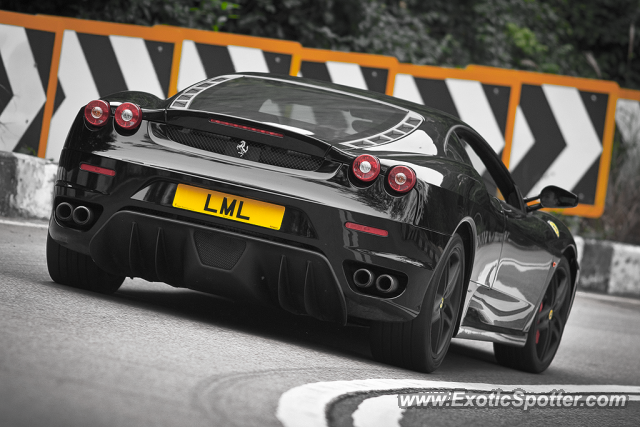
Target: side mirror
x,y
553,197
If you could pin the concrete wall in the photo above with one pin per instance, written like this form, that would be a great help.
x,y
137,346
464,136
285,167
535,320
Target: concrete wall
x,y
26,185
610,268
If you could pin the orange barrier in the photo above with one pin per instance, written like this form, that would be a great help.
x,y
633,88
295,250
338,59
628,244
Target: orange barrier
x,y
571,122
26,118
631,94
361,70
547,128
485,100
207,54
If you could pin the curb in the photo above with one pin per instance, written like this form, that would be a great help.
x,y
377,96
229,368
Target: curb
x,y
26,185
609,268
26,190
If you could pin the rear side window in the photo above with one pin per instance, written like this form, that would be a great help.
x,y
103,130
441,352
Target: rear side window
x,y
473,159
330,116
456,149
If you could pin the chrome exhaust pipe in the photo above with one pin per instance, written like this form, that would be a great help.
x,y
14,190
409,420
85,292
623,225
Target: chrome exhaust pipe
x,y
82,215
363,278
387,284
64,211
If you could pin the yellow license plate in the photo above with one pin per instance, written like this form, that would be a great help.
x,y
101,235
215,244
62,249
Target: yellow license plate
x,y
228,206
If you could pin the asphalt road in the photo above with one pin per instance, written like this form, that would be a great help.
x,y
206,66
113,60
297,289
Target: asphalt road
x,y
152,355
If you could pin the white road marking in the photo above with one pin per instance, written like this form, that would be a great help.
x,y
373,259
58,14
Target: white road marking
x,y
306,405
24,224
247,59
78,87
191,68
523,139
345,73
136,65
583,144
28,94
378,411
405,88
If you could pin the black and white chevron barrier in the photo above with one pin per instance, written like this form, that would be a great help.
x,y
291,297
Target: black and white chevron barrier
x,y
346,73
485,107
25,63
558,139
549,129
200,61
93,65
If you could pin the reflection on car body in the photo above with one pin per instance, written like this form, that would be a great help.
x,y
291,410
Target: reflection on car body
x,y
327,201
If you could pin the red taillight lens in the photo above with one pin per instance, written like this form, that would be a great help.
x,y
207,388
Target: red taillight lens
x,y
401,178
367,229
366,167
97,112
128,115
97,169
234,125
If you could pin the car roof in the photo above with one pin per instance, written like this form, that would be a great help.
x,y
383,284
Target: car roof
x,y
438,119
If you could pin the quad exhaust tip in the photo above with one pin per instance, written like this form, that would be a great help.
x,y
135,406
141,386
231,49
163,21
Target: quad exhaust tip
x,y
82,215
363,278
64,211
386,284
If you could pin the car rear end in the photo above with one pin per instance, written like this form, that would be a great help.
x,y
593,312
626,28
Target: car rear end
x,y
257,205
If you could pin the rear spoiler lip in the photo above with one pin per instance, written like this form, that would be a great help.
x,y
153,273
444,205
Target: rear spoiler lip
x,y
205,121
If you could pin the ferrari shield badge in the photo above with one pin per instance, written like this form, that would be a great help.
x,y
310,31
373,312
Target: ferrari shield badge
x,y
554,227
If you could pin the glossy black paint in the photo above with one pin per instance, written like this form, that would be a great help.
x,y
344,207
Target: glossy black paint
x,y
554,197
306,267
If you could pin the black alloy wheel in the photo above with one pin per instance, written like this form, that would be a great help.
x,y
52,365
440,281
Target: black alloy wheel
x,y
446,303
547,328
422,343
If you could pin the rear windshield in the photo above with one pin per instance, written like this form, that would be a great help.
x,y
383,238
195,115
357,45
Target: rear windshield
x,y
329,116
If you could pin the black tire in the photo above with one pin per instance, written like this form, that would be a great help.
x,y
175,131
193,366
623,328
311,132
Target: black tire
x,y
546,330
72,268
422,343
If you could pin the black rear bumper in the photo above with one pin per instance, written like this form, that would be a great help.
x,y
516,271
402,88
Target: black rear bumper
x,y
306,267
219,262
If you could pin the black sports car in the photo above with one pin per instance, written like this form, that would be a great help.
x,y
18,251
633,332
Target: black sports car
x,y
337,203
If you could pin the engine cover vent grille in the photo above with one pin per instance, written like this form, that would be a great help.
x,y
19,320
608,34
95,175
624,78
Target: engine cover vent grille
x,y
247,150
218,250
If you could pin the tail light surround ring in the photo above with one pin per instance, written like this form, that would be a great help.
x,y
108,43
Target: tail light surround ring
x,y
128,115
366,167
97,112
401,179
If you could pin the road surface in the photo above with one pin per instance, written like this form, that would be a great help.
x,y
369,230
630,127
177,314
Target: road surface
x,y
152,355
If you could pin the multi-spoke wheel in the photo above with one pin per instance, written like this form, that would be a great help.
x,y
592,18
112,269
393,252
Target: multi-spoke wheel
x,y
546,330
422,343
446,303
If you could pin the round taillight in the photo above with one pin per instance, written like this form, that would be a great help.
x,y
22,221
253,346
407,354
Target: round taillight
x,y
401,178
366,167
128,115
97,112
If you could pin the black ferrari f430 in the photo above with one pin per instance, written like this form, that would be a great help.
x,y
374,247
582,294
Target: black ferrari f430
x,y
328,201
